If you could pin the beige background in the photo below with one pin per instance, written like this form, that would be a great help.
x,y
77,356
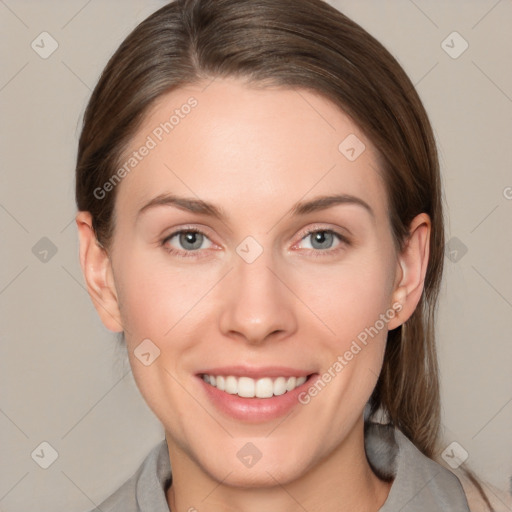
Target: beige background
x,y
62,380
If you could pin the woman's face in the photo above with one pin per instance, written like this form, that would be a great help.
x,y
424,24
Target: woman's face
x,y
254,296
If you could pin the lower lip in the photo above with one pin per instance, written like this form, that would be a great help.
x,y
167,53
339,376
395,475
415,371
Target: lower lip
x,y
255,410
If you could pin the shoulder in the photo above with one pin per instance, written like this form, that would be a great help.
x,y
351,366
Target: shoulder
x,y
122,499
421,484
500,500
145,489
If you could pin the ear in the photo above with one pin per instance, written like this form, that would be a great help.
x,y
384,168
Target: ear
x,y
411,270
97,270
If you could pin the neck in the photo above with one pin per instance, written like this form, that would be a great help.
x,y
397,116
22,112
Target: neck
x,y
342,482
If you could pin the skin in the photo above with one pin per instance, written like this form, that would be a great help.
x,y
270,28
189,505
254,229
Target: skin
x,y
255,152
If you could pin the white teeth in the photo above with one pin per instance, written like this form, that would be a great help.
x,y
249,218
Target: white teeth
x,y
280,386
246,387
264,388
250,388
292,381
231,385
300,381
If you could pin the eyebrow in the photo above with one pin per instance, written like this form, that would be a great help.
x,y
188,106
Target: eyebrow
x,y
205,208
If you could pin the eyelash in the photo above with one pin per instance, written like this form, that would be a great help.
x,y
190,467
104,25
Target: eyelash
x,y
316,253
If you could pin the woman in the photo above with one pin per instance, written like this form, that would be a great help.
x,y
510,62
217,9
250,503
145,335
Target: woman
x,y
289,148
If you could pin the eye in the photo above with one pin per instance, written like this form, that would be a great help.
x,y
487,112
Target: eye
x,y
322,241
191,240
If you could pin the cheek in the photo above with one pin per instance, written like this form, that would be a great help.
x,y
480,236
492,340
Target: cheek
x,y
154,295
350,297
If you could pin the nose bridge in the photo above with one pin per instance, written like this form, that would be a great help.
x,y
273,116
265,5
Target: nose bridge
x,y
258,303
257,277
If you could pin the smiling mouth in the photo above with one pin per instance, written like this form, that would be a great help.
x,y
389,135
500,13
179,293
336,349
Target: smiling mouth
x,y
247,387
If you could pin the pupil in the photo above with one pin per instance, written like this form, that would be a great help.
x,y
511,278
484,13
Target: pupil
x,y
188,238
322,237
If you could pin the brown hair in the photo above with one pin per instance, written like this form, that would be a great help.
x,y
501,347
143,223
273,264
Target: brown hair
x,y
292,43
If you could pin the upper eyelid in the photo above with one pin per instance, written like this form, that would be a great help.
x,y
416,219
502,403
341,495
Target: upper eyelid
x,y
336,231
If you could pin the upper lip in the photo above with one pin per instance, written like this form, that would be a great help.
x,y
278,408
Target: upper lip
x,y
256,372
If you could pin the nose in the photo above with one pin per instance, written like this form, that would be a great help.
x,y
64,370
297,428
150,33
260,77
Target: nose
x,y
258,305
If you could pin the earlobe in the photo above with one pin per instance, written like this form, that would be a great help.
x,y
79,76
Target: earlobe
x,y
411,270
399,298
97,271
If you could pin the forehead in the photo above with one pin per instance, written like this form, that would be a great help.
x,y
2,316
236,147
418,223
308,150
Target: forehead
x,y
249,149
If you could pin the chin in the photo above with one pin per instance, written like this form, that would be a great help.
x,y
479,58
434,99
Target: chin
x,y
261,477
278,468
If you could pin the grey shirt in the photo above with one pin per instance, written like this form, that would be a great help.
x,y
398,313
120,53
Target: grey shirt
x,y
419,484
